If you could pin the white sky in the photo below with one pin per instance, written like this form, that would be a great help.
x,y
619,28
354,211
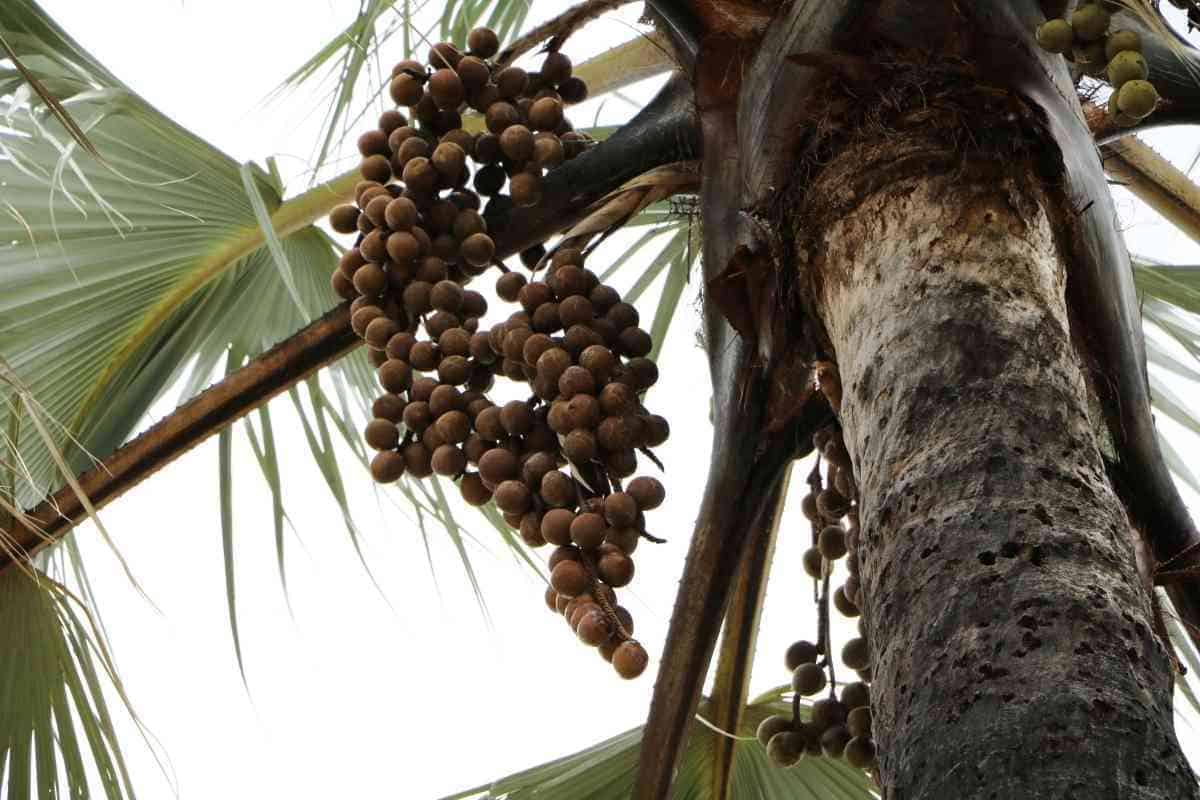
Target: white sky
x,y
405,692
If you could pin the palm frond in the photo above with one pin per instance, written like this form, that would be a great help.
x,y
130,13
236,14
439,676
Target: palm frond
x,y
606,771
56,729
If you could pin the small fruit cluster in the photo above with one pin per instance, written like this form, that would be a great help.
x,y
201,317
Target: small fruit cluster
x,y
838,726
1115,56
574,340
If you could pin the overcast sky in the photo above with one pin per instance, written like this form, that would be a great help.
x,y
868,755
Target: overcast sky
x,y
405,689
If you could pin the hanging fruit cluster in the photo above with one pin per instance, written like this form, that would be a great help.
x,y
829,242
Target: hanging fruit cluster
x,y
552,464
1114,56
839,724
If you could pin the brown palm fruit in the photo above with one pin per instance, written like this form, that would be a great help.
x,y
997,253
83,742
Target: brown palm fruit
x,y
449,160
635,342
598,360
556,526
536,464
575,310
561,554
422,389
786,749
579,446
530,529
447,88
525,188
400,215
416,296
814,563
647,492
370,279
454,427
417,460
573,90
489,180
446,296
406,89
643,372
432,439
801,652
395,375
478,249
399,136
511,82
858,721
808,679
620,509
576,380
548,151
389,407
594,629
410,148
856,695
500,116
344,219
576,612
544,115
417,416
860,752
832,505
373,142
380,331
834,741
509,286
350,261
856,654
551,598
376,168
808,505
569,578
448,460
483,42
630,659
374,249
363,317
615,568
656,430
568,280
342,286
771,726
553,363
481,349
558,490
516,142
626,539
556,68
832,542
497,466
424,356
467,223
534,346
512,496
618,433
473,490
444,54
475,447
623,315
826,713
516,417
545,318
844,605
443,399
580,337
617,399
455,342
587,530
387,466
382,434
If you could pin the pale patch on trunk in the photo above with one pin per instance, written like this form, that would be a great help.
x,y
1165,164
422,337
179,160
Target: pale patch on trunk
x,y
1015,655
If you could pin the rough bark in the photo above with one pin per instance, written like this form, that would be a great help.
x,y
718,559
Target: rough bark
x,y
1014,647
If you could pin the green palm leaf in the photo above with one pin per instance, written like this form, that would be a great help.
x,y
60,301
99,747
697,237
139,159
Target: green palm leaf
x,y
56,725
606,770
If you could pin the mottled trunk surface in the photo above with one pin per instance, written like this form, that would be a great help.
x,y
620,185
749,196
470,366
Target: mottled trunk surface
x,y
1015,655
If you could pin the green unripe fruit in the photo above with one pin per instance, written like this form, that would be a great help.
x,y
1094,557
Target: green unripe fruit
x,y
1090,22
1055,36
1120,118
771,726
1126,66
1138,99
1120,42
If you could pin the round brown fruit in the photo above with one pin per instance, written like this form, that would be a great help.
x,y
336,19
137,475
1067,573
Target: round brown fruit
x,y
478,249
483,42
630,659
856,654
808,679
814,563
615,568
647,492
834,741
387,466
595,628
587,531
769,727
832,542
860,752
569,578
344,219
785,749
801,652
473,490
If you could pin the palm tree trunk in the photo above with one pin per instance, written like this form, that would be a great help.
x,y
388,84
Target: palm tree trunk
x,y
1013,640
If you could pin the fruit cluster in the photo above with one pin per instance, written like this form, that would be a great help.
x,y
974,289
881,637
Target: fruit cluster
x,y
839,725
1115,56
552,464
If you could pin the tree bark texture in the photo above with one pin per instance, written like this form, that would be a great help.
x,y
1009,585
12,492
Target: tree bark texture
x,y
1014,652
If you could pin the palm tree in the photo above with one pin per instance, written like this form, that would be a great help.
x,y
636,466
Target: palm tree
x,y
908,243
